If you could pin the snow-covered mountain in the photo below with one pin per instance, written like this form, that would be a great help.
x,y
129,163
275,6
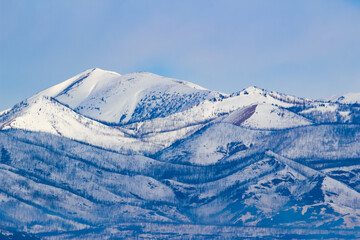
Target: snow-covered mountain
x,y
349,98
109,97
104,155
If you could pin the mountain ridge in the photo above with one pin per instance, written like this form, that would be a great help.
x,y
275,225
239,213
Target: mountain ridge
x,y
184,159
94,89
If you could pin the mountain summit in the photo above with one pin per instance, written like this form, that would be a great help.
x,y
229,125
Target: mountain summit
x,y
113,98
103,155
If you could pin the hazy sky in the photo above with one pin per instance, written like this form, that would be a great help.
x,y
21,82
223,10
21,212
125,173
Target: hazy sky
x,y
305,48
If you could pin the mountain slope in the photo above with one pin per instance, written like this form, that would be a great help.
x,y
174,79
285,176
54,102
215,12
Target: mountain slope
x,y
112,98
47,115
266,116
104,155
349,98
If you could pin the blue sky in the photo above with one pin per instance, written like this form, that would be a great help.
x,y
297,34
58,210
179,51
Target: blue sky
x,y
305,48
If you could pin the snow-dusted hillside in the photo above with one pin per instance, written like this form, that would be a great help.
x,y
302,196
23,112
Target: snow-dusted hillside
x,y
104,155
43,114
112,98
266,116
164,110
349,98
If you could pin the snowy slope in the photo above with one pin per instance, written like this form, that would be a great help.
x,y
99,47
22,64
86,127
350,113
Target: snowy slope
x,y
274,96
174,109
43,114
104,155
349,98
266,116
209,110
112,98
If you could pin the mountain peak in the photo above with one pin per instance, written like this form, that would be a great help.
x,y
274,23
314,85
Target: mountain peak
x,y
253,90
99,70
176,156
113,98
348,98
156,79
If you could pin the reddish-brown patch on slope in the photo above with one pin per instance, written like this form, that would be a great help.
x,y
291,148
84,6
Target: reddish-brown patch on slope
x,y
241,115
